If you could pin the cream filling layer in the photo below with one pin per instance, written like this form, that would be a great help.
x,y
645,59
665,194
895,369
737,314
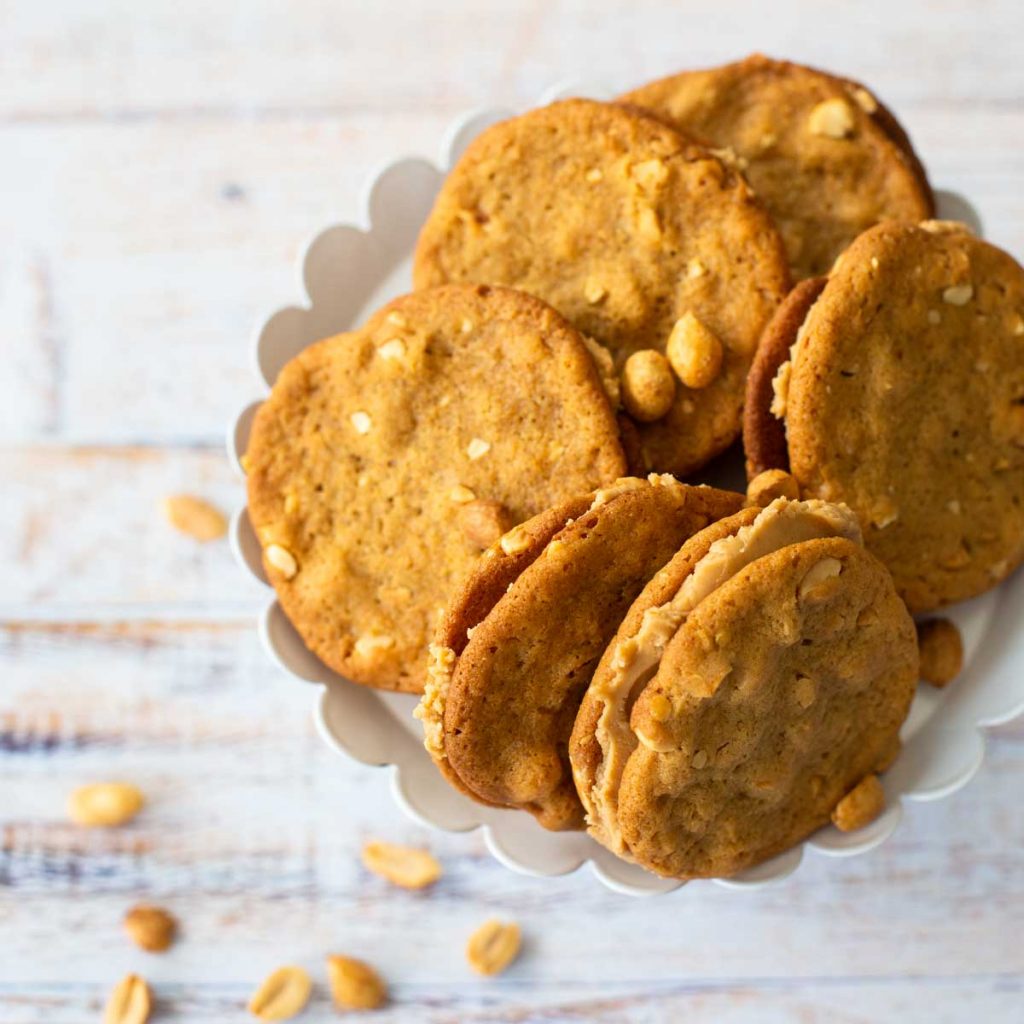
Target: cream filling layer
x,y
784,375
635,660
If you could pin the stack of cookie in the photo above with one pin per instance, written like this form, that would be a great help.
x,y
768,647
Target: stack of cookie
x,y
492,467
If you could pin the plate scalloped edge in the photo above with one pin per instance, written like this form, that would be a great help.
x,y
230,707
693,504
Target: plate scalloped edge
x,y
944,745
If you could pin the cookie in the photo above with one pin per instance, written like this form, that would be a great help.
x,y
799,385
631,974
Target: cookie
x,y
636,235
904,398
827,159
755,681
516,650
386,459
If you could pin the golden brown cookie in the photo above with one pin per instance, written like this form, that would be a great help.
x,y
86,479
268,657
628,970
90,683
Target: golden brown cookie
x,y
518,645
826,157
630,231
904,398
755,681
387,458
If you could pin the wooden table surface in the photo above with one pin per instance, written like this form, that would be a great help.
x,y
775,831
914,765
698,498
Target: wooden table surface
x,y
161,164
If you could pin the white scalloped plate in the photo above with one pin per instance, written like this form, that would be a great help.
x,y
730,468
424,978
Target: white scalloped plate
x,y
346,272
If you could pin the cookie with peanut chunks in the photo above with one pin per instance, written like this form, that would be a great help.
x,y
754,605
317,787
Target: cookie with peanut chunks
x,y
759,676
386,459
827,159
517,647
899,390
627,228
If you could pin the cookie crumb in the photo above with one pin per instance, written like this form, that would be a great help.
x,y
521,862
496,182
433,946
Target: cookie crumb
x,y
368,645
647,385
805,690
594,175
860,806
477,448
362,422
864,99
515,541
695,268
282,560
461,494
942,651
816,583
594,292
832,118
660,707
396,318
934,317
393,349
649,174
958,294
772,484
695,352
466,326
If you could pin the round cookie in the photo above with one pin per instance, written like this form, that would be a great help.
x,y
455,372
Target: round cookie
x,y
904,398
517,647
824,155
386,459
756,680
627,228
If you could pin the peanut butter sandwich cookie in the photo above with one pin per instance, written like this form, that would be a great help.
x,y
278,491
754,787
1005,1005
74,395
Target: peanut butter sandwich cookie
x,y
386,459
517,647
758,682
827,159
648,243
897,387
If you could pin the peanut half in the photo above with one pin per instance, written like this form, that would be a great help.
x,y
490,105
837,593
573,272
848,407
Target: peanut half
x,y
195,517
150,928
130,1002
283,994
648,387
355,985
493,946
860,806
402,865
769,485
105,804
941,649
482,521
695,352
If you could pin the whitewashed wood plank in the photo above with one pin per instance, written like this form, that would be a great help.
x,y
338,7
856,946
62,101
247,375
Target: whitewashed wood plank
x,y
253,831
993,1000
69,60
84,529
142,256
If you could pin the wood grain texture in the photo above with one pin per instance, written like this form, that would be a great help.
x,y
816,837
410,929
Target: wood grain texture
x,y
163,164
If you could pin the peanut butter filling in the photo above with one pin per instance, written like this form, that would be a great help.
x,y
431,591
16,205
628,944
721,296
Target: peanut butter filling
x,y
430,710
635,660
